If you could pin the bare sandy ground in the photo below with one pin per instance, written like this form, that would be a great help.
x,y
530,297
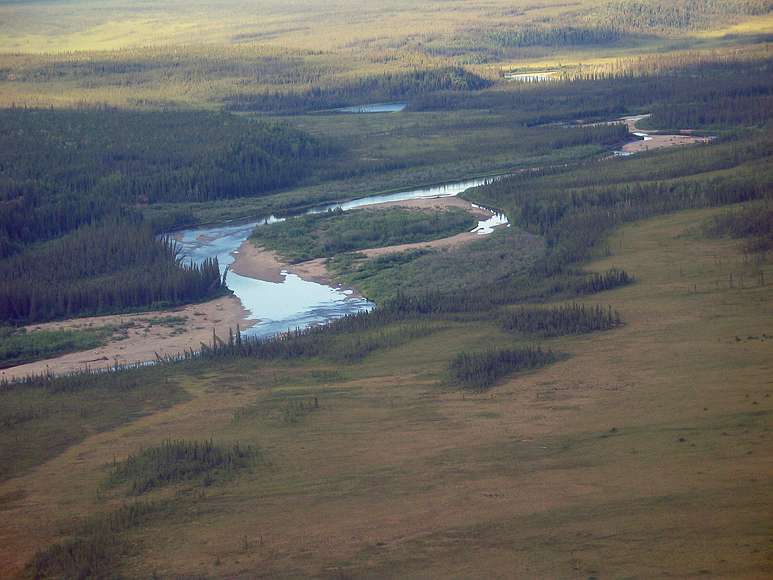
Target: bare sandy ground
x,y
437,203
268,265
443,243
258,263
656,140
146,335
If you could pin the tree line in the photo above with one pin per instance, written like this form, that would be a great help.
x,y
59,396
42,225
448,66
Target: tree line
x,y
364,89
79,179
561,320
690,91
99,269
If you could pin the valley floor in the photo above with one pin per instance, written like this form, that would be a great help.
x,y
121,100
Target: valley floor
x,y
647,453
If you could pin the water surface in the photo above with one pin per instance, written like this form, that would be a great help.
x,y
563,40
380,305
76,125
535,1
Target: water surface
x,y
375,108
295,302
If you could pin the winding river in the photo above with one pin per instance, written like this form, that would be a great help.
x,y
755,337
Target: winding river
x,y
295,302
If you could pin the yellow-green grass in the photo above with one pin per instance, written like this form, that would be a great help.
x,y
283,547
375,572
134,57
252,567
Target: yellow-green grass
x,y
314,24
351,37
647,453
46,27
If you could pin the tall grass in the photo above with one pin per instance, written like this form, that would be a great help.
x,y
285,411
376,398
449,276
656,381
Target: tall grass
x,y
18,346
42,415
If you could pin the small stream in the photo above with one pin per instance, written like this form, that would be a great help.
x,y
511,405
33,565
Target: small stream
x,y
295,302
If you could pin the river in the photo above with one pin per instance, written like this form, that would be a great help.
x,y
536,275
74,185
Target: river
x,y
297,303
294,302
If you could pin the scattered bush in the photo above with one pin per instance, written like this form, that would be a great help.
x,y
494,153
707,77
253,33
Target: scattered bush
x,y
181,461
557,321
480,370
753,222
95,550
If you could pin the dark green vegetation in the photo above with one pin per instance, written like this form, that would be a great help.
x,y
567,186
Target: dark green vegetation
x,y
561,320
18,346
106,169
573,208
346,340
61,169
175,462
42,416
753,223
104,268
368,89
480,370
97,546
92,159
76,177
420,273
336,232
79,178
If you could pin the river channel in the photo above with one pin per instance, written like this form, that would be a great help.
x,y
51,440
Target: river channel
x,y
294,302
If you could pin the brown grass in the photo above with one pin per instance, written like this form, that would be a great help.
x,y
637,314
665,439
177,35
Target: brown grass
x,y
645,454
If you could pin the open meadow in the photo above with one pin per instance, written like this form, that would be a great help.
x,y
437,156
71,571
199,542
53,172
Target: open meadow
x,y
399,289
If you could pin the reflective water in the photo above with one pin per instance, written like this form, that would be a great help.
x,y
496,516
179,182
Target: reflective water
x,y
534,77
375,108
294,302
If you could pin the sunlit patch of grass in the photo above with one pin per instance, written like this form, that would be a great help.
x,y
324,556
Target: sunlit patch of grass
x,y
751,26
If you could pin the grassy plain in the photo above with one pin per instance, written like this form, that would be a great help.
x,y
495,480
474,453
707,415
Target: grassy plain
x,y
647,452
187,55
50,26
643,451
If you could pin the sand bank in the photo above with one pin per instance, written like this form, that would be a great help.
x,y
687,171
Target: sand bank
x,y
166,332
